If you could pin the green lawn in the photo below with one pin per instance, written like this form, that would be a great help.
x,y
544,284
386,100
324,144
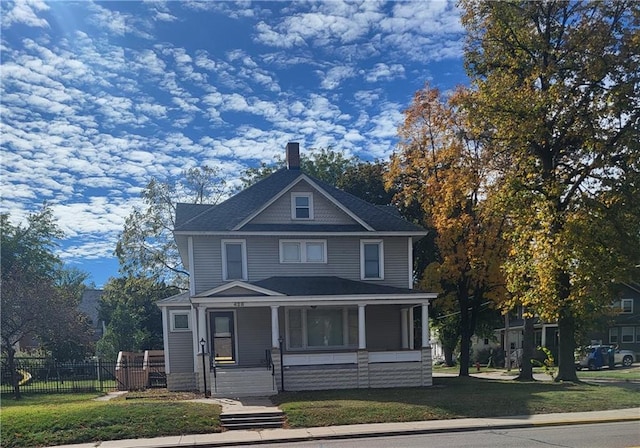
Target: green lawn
x,y
58,419
451,397
41,419
617,374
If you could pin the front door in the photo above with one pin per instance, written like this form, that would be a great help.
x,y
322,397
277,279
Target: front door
x,y
223,336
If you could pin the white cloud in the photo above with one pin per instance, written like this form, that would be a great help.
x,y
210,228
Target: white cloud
x,y
334,76
24,12
384,72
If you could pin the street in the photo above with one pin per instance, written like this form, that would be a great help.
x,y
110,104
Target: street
x,y
610,435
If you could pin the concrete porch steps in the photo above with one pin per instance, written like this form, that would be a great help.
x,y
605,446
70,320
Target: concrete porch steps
x,y
235,382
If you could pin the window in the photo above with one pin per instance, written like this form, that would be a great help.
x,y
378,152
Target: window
x,y
301,206
371,260
234,260
303,251
613,335
637,334
627,334
318,328
179,320
626,306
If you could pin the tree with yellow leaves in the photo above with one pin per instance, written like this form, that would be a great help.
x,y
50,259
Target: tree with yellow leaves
x,y
439,165
556,90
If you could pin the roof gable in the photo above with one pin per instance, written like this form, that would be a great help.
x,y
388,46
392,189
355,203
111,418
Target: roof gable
x,y
238,288
238,210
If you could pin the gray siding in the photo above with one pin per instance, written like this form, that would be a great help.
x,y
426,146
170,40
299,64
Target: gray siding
x,y
324,211
263,255
180,352
402,374
254,335
340,376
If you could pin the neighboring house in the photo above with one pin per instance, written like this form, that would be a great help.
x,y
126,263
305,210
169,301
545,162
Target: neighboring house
x,y
89,305
293,276
622,328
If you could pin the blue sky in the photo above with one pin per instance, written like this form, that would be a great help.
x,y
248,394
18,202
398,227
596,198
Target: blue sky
x,y
97,98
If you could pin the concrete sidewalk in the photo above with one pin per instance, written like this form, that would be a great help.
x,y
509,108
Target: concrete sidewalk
x,y
253,437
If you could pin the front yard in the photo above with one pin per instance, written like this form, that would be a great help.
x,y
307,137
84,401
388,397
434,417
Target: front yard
x,y
40,420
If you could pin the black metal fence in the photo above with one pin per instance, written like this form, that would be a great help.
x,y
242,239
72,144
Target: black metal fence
x,y
46,375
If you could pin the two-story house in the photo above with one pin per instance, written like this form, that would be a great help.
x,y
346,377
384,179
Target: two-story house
x,y
295,284
623,328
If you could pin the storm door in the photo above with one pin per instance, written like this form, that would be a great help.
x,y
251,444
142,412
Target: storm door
x,y
223,335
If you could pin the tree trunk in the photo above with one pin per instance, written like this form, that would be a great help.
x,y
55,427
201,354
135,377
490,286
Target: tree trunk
x,y
448,356
526,369
15,379
465,337
566,347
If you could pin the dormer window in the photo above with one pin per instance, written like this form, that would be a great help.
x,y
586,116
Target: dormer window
x,y
301,206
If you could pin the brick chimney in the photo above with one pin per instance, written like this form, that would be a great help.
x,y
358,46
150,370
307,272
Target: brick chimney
x,y
293,156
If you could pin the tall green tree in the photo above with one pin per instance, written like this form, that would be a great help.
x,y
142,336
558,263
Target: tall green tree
x,y
326,164
133,321
146,246
439,164
557,89
39,297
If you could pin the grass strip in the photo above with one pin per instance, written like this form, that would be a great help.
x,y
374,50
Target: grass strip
x,y
39,420
452,397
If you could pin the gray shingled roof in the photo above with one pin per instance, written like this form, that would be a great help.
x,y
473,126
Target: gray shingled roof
x,y
327,286
227,215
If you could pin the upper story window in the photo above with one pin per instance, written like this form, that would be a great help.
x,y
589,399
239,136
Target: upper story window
x,y
234,260
303,251
371,260
626,306
301,206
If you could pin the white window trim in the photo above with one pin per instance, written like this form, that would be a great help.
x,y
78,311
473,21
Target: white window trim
x,y
305,335
303,251
622,302
172,321
223,244
380,244
632,335
293,205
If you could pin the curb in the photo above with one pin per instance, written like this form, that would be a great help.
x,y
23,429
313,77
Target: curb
x,y
240,438
402,432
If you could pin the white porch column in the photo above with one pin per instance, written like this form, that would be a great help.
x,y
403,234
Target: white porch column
x,y
165,338
275,327
362,333
543,341
412,341
404,326
202,327
425,325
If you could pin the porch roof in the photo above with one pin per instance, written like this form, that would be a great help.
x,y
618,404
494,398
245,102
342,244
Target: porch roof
x,y
327,286
299,291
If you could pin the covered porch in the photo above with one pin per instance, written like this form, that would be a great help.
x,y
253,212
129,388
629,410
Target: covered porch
x,y
313,342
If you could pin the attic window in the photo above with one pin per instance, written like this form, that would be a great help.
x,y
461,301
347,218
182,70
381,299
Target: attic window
x,y
301,206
